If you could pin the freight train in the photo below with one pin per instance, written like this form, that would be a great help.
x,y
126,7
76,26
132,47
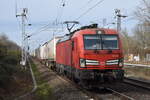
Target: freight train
x,y
90,55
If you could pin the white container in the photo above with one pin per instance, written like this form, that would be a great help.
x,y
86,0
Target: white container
x,y
51,48
43,51
37,53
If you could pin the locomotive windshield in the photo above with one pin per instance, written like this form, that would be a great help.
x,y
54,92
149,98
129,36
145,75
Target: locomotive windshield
x,y
100,41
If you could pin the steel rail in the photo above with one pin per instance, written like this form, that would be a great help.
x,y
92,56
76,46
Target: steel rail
x,y
136,82
121,95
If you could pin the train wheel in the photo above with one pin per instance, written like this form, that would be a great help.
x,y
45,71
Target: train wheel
x,y
75,79
60,71
119,75
68,75
47,64
57,70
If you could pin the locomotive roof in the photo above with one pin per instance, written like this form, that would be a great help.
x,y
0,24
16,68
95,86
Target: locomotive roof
x,y
93,26
68,36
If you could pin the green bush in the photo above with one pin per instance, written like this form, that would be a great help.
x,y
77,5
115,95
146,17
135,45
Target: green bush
x,y
6,74
9,60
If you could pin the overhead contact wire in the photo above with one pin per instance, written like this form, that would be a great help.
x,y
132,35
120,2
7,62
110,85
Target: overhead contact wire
x,y
89,9
54,23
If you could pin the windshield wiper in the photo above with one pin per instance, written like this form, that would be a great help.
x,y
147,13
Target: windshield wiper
x,y
96,49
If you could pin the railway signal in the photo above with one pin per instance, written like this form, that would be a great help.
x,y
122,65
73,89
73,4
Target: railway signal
x,y
119,16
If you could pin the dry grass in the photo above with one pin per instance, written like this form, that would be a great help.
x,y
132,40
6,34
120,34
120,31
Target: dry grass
x,y
138,62
138,72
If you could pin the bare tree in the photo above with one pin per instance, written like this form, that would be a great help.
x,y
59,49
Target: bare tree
x,y
143,11
142,30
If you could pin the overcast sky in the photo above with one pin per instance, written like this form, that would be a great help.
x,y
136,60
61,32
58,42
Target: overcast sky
x,y
42,12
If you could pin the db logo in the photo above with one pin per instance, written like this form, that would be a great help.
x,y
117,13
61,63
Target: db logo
x,y
102,63
115,55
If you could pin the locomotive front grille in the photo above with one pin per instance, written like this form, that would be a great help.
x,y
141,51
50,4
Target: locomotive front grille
x,y
92,62
112,62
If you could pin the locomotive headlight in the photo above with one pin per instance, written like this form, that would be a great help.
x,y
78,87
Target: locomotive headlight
x,y
121,62
82,62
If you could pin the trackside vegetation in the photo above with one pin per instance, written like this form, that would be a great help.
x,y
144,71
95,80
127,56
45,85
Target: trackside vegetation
x,y
14,80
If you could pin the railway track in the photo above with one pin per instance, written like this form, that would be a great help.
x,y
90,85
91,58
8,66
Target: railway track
x,y
122,91
133,91
99,93
136,82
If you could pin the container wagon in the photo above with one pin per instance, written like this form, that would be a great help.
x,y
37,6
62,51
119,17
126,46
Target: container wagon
x,y
47,52
51,52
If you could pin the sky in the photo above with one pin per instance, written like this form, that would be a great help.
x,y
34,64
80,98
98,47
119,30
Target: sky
x,y
45,12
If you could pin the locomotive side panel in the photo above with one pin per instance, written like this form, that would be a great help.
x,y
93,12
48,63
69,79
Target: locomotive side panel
x,y
75,53
63,53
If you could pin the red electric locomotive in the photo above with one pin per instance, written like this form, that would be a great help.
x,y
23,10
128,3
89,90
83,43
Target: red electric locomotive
x,y
91,55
